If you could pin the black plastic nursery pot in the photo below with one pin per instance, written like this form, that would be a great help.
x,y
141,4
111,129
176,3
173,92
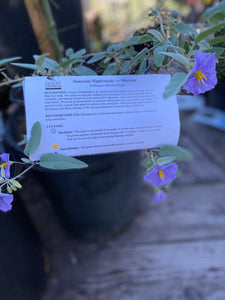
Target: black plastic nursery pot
x,y
96,202
4,97
216,97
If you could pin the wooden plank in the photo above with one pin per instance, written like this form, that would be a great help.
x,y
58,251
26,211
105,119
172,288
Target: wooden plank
x,y
201,169
189,213
210,140
160,272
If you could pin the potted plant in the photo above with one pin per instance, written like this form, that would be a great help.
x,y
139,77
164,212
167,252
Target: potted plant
x,y
174,43
102,199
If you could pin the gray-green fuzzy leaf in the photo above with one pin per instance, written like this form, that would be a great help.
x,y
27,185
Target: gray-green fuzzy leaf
x,y
158,35
158,55
178,152
202,35
60,162
142,67
8,60
27,66
96,58
215,14
111,69
50,64
180,58
83,70
217,50
185,29
34,139
217,40
175,84
39,59
165,160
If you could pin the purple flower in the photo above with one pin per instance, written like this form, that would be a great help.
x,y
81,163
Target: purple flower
x,y
5,202
203,75
159,197
6,164
162,174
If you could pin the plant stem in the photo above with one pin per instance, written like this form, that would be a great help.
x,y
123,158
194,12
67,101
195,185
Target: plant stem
x,y
11,81
52,28
19,175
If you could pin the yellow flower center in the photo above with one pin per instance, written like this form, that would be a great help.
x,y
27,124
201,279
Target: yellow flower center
x,y
161,174
200,76
4,164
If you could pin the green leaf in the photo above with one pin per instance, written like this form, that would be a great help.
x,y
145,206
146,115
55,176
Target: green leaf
x,y
216,18
137,59
8,60
96,58
34,140
158,35
215,14
173,39
27,66
69,52
202,35
178,152
218,50
50,64
217,40
165,160
9,190
26,160
135,40
24,140
79,53
185,29
60,162
175,84
158,55
70,61
124,69
181,41
186,47
83,70
111,69
142,67
16,183
180,58
130,52
39,59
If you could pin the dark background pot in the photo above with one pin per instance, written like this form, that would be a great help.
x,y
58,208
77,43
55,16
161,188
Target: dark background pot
x,y
16,95
4,97
95,202
100,200
216,97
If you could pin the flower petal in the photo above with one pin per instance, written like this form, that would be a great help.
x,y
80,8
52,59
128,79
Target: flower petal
x,y
5,158
169,171
159,197
5,202
206,63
